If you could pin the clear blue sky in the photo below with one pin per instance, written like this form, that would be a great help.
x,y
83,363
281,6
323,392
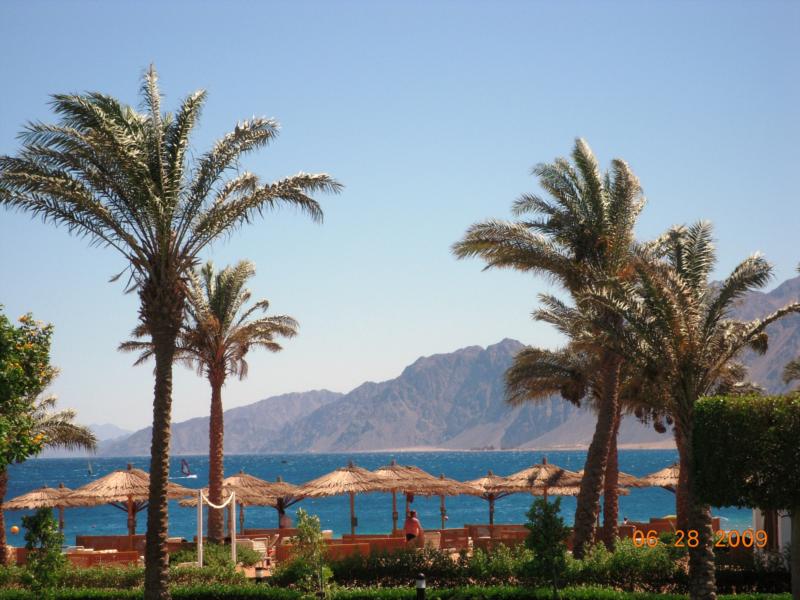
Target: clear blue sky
x,y
432,114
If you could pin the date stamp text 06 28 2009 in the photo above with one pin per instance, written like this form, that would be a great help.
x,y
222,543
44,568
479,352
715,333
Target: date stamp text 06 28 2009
x,y
732,538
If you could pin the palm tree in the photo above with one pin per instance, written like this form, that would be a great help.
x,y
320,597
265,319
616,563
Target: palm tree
x,y
219,332
55,429
571,372
125,179
583,233
791,372
681,334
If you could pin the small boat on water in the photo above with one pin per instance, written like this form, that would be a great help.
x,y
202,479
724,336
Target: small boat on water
x,y
89,470
186,470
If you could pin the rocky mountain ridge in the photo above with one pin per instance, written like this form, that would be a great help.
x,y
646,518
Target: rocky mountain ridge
x,y
446,401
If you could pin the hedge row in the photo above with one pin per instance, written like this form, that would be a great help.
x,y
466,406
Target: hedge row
x,y
257,592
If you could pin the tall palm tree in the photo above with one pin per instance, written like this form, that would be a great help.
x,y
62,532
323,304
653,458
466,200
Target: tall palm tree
x,y
220,330
56,429
583,232
125,179
681,333
572,372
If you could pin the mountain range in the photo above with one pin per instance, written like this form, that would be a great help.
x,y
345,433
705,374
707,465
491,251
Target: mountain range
x,y
446,401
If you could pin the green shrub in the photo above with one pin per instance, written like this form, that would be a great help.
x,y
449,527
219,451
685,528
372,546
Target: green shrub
x,y
224,575
399,568
216,555
11,576
261,592
668,539
43,540
547,538
108,577
310,567
629,568
501,565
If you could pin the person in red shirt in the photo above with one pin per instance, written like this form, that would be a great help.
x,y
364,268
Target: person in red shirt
x,y
412,527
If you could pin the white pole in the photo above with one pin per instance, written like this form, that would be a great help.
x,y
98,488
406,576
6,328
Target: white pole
x,y
199,528
233,530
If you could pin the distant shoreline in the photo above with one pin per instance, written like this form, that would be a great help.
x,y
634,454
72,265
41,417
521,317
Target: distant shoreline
x,y
666,445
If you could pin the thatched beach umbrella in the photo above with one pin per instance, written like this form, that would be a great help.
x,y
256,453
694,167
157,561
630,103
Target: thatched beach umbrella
x,y
125,489
441,486
451,487
349,480
403,478
493,487
624,480
252,491
43,497
286,494
666,478
545,478
243,498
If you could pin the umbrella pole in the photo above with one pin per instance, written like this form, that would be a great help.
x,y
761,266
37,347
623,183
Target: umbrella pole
x,y
241,518
545,494
199,528
233,530
352,513
442,511
394,511
491,509
281,508
61,519
131,517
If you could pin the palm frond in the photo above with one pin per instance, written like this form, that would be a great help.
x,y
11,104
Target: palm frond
x,y
537,374
791,372
752,273
58,428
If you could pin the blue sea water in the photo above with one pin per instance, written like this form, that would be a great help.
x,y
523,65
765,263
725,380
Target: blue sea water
x,y
373,510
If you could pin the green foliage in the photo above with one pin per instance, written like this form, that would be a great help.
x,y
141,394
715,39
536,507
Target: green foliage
x,y
667,540
308,568
501,565
217,556
746,451
628,568
24,372
547,538
131,577
11,576
43,540
108,577
399,568
261,592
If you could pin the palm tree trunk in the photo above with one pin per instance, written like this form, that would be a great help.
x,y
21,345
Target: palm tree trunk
x,y
596,458
794,553
702,576
682,489
3,490
216,468
611,489
156,574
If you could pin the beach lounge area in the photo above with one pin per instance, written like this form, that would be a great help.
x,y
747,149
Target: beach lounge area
x,y
126,489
